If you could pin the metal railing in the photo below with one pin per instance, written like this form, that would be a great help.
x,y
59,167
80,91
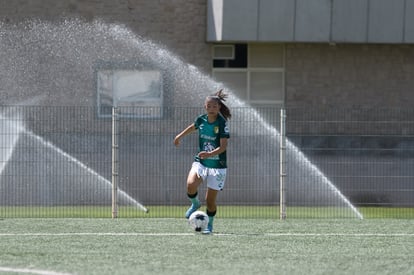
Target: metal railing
x,y
59,162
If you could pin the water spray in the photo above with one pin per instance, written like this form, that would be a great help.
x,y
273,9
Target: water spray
x,y
39,58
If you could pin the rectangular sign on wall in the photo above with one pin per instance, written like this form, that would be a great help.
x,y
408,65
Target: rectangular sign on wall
x,y
137,93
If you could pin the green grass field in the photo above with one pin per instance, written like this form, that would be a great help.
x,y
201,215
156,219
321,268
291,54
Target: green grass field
x,y
239,246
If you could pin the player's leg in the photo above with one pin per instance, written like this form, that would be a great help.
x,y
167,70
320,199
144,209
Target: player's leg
x,y
215,183
211,211
193,182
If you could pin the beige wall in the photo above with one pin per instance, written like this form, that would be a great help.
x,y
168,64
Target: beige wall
x,y
350,75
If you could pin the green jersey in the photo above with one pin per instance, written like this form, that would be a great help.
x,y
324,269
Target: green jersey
x,y
209,135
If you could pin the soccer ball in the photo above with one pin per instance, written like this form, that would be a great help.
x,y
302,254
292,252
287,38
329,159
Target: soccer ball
x,y
198,221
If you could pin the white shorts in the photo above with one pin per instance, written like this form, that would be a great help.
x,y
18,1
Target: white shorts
x,y
215,177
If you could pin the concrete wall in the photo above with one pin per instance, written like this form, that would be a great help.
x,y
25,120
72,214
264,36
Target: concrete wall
x,y
350,75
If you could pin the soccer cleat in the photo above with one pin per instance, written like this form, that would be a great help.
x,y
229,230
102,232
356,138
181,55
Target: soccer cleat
x,y
208,230
194,207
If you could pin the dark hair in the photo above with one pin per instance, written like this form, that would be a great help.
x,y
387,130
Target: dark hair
x,y
220,96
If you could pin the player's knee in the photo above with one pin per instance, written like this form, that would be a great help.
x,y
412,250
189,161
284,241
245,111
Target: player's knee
x,y
192,187
211,204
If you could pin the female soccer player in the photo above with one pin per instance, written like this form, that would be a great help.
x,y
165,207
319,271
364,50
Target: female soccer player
x,y
210,163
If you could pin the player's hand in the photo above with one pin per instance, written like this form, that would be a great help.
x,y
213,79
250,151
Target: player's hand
x,y
204,155
176,141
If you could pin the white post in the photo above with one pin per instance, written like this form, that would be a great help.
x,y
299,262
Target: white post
x,y
115,162
282,164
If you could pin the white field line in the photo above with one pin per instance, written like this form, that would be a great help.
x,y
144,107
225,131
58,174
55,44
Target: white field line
x,y
30,271
291,234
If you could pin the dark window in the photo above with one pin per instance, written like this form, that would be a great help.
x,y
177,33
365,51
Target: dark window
x,y
239,61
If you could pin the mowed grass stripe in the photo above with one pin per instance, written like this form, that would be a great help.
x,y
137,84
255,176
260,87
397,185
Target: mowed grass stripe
x,y
291,234
171,211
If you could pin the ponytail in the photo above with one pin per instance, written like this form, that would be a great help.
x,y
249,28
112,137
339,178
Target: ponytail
x,y
220,96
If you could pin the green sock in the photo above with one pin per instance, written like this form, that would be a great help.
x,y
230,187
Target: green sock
x,y
210,221
193,198
211,217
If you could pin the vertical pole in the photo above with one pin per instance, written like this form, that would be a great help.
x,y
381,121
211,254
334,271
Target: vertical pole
x,y
115,162
282,164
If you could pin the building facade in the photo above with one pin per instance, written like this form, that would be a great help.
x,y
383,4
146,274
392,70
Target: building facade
x,y
296,53
314,55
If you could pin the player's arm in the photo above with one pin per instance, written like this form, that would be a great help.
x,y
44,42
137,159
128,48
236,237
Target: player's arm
x,y
191,128
217,151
